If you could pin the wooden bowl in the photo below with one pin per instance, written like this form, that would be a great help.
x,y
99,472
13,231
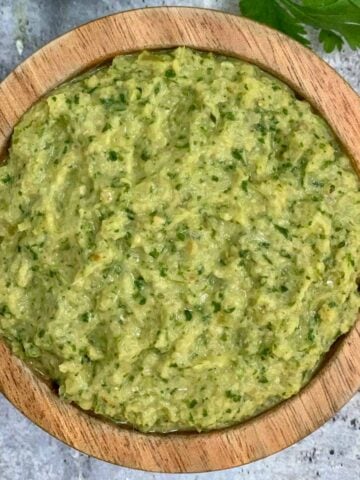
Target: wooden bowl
x,y
312,79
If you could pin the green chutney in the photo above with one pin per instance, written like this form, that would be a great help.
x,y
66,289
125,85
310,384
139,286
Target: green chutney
x,y
179,240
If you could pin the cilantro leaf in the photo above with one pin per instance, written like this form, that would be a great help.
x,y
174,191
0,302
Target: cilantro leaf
x,y
337,20
330,40
341,17
273,13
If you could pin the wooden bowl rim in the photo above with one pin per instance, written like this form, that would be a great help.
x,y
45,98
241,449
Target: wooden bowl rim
x,y
167,27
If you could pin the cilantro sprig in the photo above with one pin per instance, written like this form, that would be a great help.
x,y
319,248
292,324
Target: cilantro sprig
x,y
338,21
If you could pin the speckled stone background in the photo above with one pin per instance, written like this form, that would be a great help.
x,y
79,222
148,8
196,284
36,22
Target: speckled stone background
x,y
26,452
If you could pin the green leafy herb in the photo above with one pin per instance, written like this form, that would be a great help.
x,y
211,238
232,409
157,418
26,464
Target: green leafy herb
x,y
338,21
233,396
284,231
7,179
188,315
237,153
244,186
4,309
85,317
170,73
154,253
130,213
112,155
139,282
216,306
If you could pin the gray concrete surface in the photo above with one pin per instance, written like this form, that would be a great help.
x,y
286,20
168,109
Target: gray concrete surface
x,y
26,452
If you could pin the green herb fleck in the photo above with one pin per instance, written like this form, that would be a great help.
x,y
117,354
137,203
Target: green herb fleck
x,y
233,396
237,154
244,185
112,155
284,231
85,317
192,403
170,73
139,282
216,306
188,315
7,179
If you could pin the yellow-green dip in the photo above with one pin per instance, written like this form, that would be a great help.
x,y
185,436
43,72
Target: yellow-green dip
x,y
179,240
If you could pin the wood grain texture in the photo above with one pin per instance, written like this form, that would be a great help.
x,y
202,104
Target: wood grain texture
x,y
337,380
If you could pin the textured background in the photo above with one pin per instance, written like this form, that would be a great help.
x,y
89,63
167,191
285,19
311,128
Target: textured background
x,y
26,452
